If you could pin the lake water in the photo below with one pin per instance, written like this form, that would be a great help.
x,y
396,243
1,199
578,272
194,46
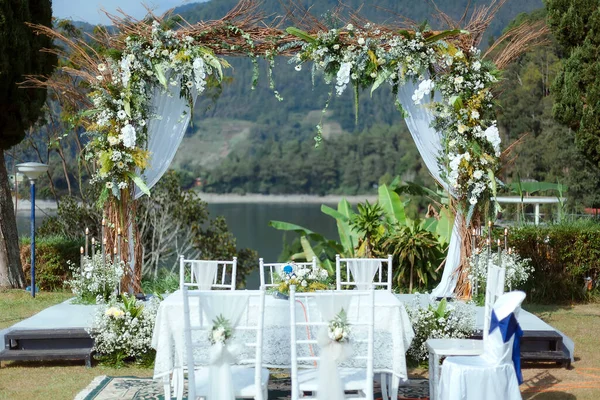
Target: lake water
x,y
249,223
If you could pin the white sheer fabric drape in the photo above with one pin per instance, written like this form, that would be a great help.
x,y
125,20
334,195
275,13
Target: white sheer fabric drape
x,y
203,273
363,272
429,144
165,132
220,379
329,383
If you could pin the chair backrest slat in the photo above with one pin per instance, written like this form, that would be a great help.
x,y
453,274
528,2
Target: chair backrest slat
x,y
222,279
379,278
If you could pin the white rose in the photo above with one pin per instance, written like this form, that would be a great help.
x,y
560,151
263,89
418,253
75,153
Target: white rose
x,y
112,140
361,41
129,136
338,333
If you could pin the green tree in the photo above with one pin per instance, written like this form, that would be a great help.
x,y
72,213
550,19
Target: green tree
x,y
19,56
576,26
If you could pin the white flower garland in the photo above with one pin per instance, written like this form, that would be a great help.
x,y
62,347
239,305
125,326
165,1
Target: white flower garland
x,y
121,96
369,57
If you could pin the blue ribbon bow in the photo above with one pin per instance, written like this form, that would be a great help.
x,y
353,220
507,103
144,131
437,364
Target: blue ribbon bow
x,y
509,327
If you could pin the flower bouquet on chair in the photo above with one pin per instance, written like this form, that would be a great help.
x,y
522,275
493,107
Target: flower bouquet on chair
x,y
306,279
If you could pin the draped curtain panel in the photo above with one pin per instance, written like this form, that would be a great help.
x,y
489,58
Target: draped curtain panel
x,y
429,144
165,132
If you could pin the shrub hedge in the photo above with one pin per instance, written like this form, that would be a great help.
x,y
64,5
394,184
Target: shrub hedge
x,y
51,256
563,256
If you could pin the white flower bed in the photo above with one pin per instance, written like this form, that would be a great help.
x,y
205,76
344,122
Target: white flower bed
x,y
124,330
96,278
439,320
518,269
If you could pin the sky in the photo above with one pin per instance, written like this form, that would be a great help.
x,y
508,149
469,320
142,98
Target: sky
x,y
89,10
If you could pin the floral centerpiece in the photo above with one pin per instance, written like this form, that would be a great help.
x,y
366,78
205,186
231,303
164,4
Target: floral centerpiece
x,y
305,278
97,277
438,320
123,331
518,269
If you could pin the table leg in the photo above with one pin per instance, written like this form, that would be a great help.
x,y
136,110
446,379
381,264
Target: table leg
x,y
384,386
395,382
167,387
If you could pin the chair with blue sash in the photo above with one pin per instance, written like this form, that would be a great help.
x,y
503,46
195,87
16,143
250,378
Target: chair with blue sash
x,y
496,374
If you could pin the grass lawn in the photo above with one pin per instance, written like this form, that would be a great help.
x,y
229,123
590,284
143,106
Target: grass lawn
x,y
545,382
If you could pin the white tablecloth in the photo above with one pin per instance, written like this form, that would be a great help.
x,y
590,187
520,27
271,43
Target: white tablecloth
x,y
393,333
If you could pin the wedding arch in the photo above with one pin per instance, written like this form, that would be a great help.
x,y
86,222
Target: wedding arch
x,y
144,77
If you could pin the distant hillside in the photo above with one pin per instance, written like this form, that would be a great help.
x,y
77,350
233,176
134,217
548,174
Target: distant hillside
x,y
235,143
380,11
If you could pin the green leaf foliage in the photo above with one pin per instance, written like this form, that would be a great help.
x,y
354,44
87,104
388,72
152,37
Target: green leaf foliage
x,y
19,56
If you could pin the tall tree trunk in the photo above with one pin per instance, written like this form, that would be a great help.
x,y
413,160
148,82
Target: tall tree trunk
x,y
11,271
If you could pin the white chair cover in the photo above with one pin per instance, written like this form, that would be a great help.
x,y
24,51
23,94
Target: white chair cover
x,y
221,383
363,271
203,273
329,383
494,289
493,375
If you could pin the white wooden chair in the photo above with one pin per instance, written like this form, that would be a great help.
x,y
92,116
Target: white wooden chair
x,y
269,271
360,317
246,379
361,272
439,348
208,274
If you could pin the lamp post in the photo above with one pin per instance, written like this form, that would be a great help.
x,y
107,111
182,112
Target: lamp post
x,y
33,171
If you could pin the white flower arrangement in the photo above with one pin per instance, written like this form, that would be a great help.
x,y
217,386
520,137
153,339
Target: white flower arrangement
x,y
338,329
221,331
439,320
518,270
123,331
306,279
96,277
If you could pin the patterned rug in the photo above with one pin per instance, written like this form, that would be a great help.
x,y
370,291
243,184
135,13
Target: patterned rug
x,y
132,388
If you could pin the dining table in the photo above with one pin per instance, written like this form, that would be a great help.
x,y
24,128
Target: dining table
x,y
393,334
